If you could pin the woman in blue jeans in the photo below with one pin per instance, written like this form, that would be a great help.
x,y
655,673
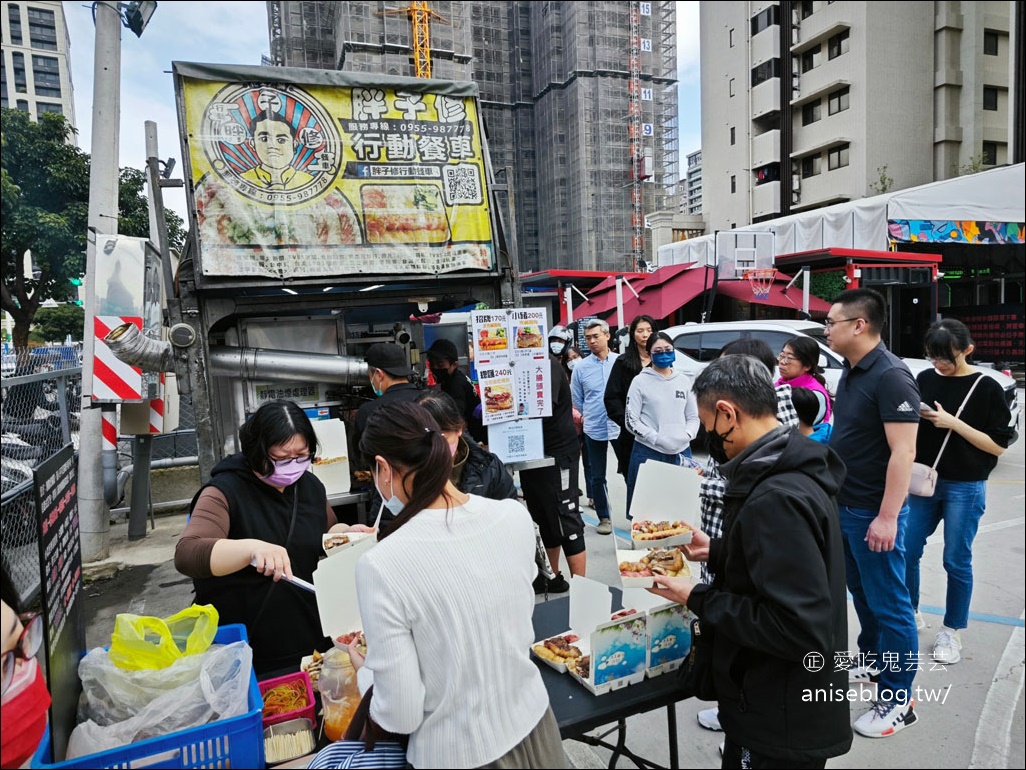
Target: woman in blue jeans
x,y
661,412
978,437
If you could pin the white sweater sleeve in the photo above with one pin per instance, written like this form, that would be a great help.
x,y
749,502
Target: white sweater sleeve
x,y
398,703
691,420
635,401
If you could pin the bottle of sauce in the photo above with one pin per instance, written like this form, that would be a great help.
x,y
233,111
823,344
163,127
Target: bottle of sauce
x,y
339,693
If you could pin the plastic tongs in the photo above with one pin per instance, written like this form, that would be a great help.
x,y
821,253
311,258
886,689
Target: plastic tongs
x,y
298,582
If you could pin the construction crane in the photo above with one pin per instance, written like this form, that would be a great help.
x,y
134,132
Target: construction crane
x,y
420,20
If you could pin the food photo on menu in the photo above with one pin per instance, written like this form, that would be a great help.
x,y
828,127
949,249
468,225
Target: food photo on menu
x,y
528,335
498,396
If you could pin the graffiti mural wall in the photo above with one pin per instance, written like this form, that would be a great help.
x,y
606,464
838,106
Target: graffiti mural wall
x,y
971,232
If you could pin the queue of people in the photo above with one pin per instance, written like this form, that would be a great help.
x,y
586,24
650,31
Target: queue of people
x,y
803,499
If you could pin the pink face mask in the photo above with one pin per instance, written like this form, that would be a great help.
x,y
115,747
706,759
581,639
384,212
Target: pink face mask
x,y
287,474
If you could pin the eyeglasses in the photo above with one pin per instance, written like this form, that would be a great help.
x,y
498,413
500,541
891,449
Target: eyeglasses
x,y
26,647
831,324
784,358
662,350
283,461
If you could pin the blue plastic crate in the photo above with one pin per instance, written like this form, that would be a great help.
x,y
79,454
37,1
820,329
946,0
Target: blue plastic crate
x,y
234,742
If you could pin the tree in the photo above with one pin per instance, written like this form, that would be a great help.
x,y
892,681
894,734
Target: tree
x,y
883,182
45,211
56,323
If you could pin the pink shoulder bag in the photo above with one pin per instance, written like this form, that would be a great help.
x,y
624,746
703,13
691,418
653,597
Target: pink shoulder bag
x,y
924,477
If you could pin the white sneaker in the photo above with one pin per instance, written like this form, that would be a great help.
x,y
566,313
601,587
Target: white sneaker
x,y
605,527
863,675
886,719
947,647
920,621
710,719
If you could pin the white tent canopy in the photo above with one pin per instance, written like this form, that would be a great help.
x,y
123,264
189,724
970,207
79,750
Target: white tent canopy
x,y
998,195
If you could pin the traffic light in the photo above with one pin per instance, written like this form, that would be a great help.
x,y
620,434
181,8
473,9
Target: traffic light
x,y
77,283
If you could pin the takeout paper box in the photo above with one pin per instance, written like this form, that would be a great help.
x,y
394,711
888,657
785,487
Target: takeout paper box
x,y
335,581
617,647
333,452
668,630
641,582
581,644
665,492
354,538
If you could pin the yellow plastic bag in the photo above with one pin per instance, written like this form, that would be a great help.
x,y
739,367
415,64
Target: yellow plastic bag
x,y
145,642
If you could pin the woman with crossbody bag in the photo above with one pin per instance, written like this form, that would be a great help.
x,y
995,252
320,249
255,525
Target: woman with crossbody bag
x,y
962,433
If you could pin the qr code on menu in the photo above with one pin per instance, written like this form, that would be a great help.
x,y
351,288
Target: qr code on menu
x,y
516,445
462,185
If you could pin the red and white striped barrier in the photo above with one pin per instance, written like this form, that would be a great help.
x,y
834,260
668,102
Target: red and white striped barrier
x,y
110,430
114,381
157,409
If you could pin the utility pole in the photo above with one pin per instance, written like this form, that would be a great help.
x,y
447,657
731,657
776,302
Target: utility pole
x,y
94,513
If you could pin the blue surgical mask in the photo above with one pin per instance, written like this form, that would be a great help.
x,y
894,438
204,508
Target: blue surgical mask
x,y
663,359
393,503
378,393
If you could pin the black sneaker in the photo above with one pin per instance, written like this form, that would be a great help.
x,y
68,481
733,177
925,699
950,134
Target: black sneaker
x,y
558,584
541,584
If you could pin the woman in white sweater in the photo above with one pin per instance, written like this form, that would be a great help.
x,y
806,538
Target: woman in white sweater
x,y
661,412
446,601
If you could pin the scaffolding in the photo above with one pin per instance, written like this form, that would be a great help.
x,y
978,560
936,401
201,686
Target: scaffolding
x,y
555,88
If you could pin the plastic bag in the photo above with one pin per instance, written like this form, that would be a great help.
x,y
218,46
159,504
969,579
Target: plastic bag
x,y
145,642
194,691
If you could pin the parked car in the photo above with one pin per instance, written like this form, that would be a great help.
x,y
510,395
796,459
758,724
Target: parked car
x,y
701,343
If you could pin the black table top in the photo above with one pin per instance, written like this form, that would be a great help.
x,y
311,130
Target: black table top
x,y
577,710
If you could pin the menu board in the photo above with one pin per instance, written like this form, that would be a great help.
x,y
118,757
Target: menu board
x,y
296,173
60,557
511,358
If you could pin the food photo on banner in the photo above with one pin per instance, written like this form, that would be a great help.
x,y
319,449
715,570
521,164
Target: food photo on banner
x,y
333,173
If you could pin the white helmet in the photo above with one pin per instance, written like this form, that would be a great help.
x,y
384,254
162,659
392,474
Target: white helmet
x,y
560,332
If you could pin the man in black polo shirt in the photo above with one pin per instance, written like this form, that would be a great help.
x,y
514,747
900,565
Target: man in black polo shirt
x,y
876,418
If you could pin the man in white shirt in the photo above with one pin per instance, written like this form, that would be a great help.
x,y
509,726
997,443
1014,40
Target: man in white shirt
x,y
588,388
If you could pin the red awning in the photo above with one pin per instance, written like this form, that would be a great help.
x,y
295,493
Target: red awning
x,y
661,293
742,290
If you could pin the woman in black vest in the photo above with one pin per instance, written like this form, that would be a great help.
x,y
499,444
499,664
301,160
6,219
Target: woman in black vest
x,y
262,516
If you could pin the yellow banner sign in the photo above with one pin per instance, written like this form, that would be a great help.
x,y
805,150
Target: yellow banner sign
x,y
304,180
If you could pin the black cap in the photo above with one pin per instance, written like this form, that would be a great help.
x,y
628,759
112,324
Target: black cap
x,y
389,358
443,348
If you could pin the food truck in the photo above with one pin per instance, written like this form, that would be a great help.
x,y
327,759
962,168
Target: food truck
x,y
328,211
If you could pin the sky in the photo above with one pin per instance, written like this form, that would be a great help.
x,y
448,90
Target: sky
x,y
236,33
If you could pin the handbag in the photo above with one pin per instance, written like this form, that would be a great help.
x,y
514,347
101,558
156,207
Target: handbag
x,y
923,481
695,676
365,744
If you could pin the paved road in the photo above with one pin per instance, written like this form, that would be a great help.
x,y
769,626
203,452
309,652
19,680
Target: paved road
x,y
980,723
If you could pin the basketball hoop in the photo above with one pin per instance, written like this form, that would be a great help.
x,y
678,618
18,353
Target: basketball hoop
x,y
760,280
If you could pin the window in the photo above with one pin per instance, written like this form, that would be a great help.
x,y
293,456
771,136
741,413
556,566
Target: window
x,y
805,7
811,58
837,157
44,107
990,98
765,71
730,37
838,101
732,135
811,112
23,105
730,86
838,44
20,83
811,166
770,173
46,77
990,153
14,16
733,184
765,19
990,43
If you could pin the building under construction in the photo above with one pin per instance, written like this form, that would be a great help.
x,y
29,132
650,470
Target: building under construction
x,y
579,101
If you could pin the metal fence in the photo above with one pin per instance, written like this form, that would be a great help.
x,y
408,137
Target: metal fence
x,y
41,396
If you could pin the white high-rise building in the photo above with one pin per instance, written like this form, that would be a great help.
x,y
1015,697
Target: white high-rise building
x,y
36,75
805,104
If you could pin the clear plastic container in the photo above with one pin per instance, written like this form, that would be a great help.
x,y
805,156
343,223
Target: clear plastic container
x,y
339,693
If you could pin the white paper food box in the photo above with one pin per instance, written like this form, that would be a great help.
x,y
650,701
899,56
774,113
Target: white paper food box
x,y
641,582
333,456
665,492
354,538
617,647
335,581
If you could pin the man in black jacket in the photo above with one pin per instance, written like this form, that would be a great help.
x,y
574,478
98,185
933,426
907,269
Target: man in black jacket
x,y
777,610
443,360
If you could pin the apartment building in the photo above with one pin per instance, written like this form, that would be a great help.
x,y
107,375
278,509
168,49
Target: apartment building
x,y
561,95
36,70
806,104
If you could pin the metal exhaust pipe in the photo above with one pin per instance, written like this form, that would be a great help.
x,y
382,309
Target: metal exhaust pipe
x,y
265,364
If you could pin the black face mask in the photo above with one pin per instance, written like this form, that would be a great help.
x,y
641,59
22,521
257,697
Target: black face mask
x,y
716,441
441,375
